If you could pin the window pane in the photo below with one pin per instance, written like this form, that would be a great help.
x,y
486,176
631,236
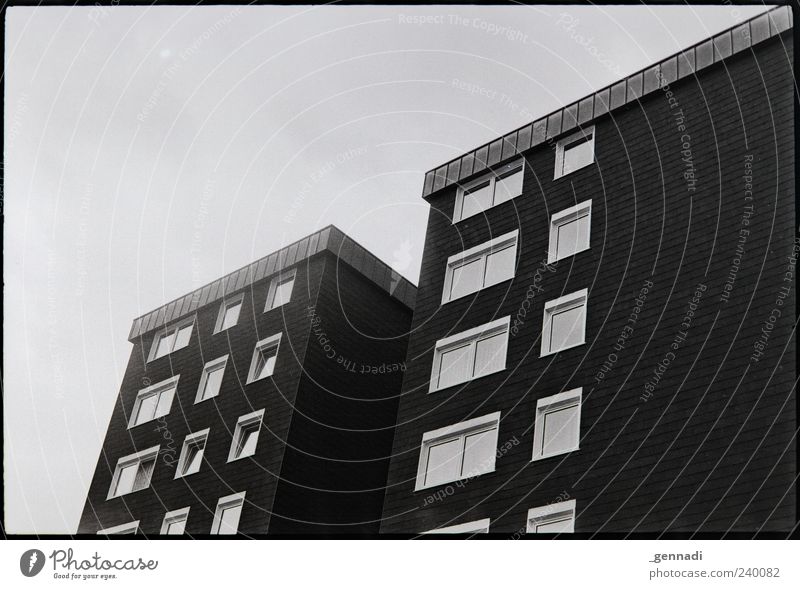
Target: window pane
x,y
147,409
468,528
143,474
573,237
555,526
182,340
231,317
229,520
127,475
578,154
467,278
213,382
247,442
479,453
500,265
164,402
265,364
283,293
164,346
444,462
490,354
130,530
176,527
560,431
567,328
194,458
476,200
260,363
454,366
508,187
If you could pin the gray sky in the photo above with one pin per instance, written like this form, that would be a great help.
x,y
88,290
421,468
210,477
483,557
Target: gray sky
x,y
152,150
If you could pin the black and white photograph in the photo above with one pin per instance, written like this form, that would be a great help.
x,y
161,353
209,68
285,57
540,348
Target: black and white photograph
x,y
323,273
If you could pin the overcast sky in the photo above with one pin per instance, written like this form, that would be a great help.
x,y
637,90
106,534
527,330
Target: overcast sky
x,y
152,150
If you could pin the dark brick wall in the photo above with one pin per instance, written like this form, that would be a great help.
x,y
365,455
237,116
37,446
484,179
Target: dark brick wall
x,y
334,470
711,448
256,475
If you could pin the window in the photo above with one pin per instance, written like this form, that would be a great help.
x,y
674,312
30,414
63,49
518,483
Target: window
x,y
211,379
133,472
153,402
226,517
556,518
480,267
129,528
175,522
480,526
191,458
489,190
564,323
245,436
172,338
557,428
470,354
280,290
570,231
574,152
264,357
229,313
458,451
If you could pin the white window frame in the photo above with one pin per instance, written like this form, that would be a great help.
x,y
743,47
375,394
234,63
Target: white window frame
x,y
564,143
551,513
479,252
573,398
210,366
561,304
235,500
129,460
162,332
471,337
245,421
273,286
192,439
128,528
480,526
491,176
561,218
458,430
157,389
172,517
271,341
223,308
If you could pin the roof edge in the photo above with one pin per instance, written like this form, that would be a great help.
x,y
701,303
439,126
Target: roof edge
x,y
679,65
329,238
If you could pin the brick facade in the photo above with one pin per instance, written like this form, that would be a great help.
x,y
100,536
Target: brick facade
x,y
710,446
294,426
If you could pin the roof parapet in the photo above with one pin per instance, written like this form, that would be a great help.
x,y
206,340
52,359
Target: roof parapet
x,y
330,238
680,65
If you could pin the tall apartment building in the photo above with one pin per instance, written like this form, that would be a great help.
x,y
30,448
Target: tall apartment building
x,y
603,334
264,402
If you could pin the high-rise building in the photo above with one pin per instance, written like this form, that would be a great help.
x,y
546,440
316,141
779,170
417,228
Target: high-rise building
x,y
603,335
602,339
264,402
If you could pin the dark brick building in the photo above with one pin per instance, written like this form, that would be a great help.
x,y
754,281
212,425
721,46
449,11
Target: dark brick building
x,y
264,402
603,335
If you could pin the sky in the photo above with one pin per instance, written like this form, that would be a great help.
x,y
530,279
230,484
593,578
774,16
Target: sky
x,y
151,150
